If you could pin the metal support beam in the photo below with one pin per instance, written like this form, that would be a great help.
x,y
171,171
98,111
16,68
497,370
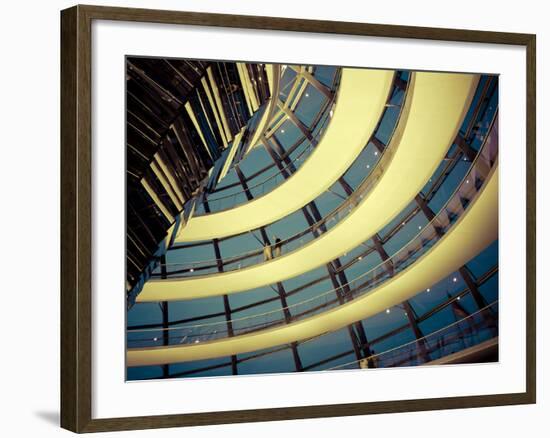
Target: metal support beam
x,y
469,152
466,276
165,316
226,304
303,128
318,85
276,157
400,83
311,219
345,185
388,264
227,307
421,202
463,270
288,319
378,144
284,304
343,292
421,341
296,356
481,303
428,212
243,182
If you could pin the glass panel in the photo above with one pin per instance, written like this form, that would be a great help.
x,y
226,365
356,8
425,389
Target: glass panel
x,y
196,307
287,80
406,233
239,245
308,293
325,74
315,350
276,362
384,322
489,289
192,367
335,362
484,260
449,186
398,219
252,296
310,104
362,166
144,313
141,373
402,337
288,134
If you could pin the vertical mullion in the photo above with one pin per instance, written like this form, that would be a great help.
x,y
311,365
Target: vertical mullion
x,y
165,316
226,304
421,341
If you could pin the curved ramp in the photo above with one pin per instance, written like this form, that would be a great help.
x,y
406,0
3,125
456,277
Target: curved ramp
x,y
361,98
474,231
437,107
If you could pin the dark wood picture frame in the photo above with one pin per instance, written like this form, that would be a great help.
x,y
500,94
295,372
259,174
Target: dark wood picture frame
x,y
76,244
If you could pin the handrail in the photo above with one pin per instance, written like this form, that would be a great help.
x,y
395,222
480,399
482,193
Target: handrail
x,y
322,121
375,357
335,215
437,227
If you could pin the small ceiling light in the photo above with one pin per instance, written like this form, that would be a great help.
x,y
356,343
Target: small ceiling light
x,y
402,223
458,298
375,153
360,258
282,131
454,279
368,166
196,341
387,310
191,270
419,227
307,94
331,113
467,181
155,339
427,290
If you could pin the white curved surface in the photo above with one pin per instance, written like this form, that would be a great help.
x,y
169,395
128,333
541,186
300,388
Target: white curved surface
x,y
437,107
360,102
474,231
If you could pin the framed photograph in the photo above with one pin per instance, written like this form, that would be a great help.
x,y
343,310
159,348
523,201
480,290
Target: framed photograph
x,y
304,218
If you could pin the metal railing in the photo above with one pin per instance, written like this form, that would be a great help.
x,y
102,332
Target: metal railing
x,y
287,245
467,332
456,205
226,202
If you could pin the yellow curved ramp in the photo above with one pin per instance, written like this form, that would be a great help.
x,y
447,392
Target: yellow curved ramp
x,y
474,231
361,98
437,107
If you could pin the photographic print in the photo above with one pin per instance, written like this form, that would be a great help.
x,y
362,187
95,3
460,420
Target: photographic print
x,y
298,218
